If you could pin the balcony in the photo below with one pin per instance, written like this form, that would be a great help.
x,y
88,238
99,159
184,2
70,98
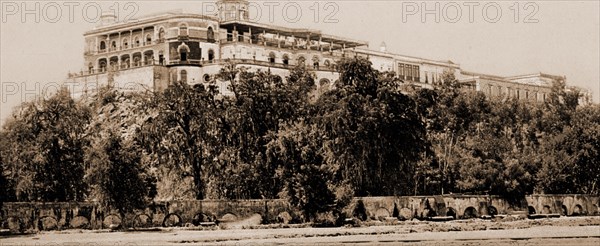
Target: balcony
x,y
126,47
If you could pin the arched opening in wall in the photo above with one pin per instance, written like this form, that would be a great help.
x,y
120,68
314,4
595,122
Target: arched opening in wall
x,y
172,220
272,57
183,50
102,46
531,210
149,57
210,34
102,65
492,211
183,76
142,221
148,39
47,223
381,214
228,217
125,43
211,55
202,218
577,210
161,35
206,78
546,210
315,61
470,212
114,63
90,68
79,222
183,30
563,210
324,86
451,212
301,61
286,59
112,221
125,61
136,41
327,63
137,59
113,45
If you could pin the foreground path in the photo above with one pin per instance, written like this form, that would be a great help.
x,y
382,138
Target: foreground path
x,y
378,235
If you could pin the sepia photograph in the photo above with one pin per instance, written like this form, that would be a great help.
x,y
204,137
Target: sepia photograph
x,y
308,122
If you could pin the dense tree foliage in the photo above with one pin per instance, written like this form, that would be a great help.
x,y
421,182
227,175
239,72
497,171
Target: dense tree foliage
x,y
369,135
44,152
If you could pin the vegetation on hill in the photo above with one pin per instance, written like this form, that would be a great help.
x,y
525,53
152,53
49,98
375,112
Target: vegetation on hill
x,y
277,138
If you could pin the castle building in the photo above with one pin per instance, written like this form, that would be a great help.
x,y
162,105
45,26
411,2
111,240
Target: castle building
x,y
160,49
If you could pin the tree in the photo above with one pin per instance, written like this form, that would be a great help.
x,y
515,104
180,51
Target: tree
x,y
263,102
45,141
115,174
307,181
181,135
372,134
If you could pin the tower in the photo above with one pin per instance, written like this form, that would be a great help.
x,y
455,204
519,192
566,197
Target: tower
x,y
233,10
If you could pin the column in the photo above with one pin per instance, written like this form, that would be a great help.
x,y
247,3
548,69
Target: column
x,y
320,40
250,32
235,34
144,38
308,42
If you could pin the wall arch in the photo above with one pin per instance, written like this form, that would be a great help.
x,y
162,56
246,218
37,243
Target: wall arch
x,y
80,222
578,210
142,221
47,223
172,220
470,213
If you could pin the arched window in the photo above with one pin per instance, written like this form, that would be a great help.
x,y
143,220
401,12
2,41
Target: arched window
x,y
161,35
183,30
183,50
315,60
286,59
102,65
136,41
148,39
113,45
272,57
125,43
102,46
183,76
301,61
211,55
210,34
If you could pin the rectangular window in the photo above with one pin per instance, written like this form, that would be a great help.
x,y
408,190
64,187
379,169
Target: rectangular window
x,y
401,70
418,75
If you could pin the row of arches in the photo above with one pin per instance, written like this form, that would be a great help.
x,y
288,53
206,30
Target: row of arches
x,y
547,209
300,60
125,61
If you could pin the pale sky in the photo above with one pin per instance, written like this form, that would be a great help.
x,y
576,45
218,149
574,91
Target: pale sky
x,y
555,37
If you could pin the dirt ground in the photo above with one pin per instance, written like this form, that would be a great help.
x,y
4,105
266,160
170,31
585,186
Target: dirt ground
x,y
559,231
